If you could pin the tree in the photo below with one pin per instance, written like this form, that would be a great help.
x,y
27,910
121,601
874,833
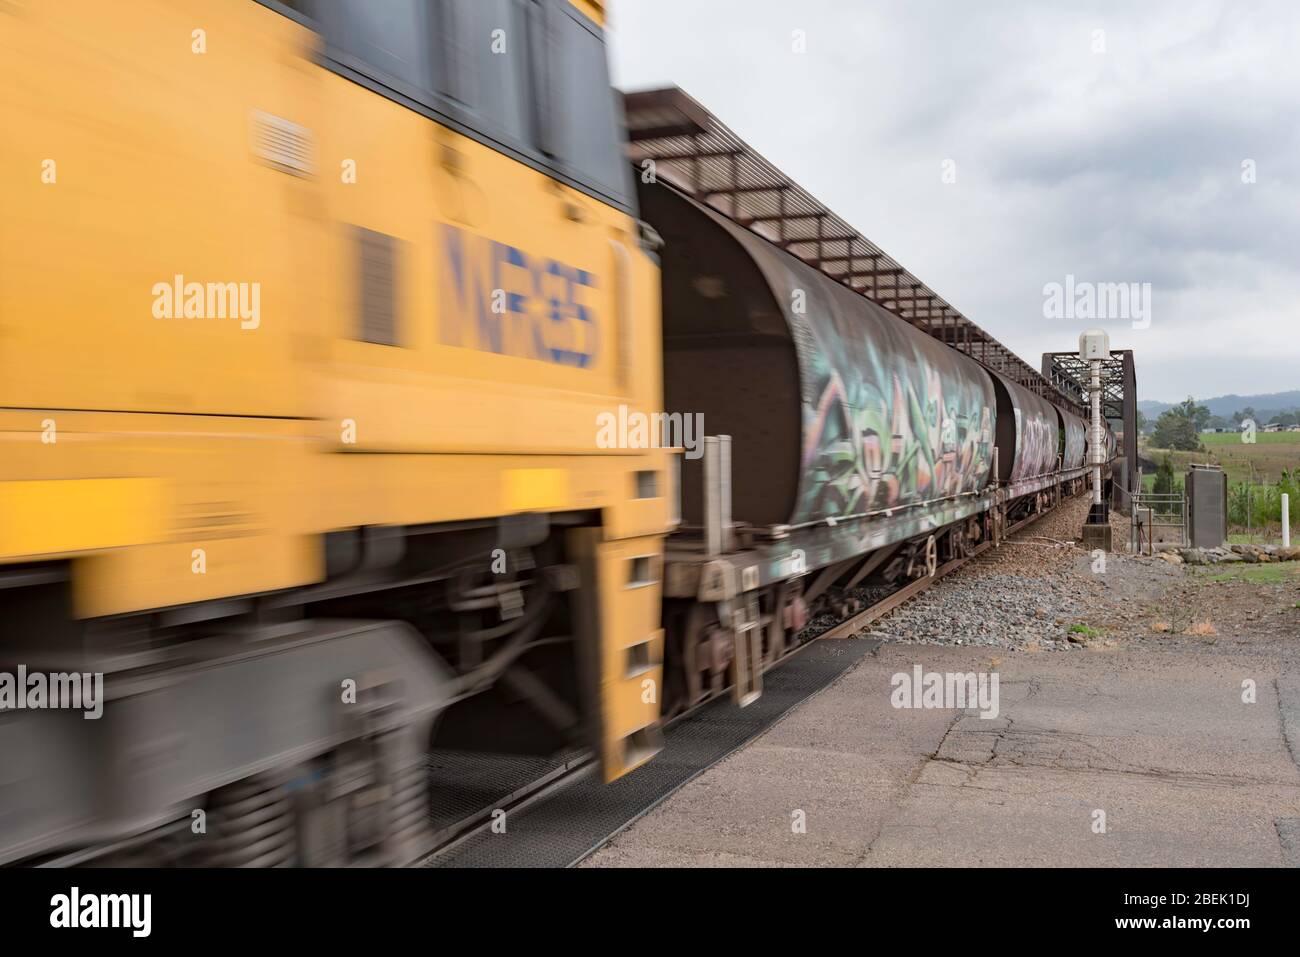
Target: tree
x,y
1198,415
1164,480
1239,503
1142,422
1175,431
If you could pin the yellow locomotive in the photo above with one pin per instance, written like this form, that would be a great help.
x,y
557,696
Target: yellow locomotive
x,y
308,314
334,407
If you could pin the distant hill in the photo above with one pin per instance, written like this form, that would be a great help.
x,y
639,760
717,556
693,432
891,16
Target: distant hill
x,y
1225,405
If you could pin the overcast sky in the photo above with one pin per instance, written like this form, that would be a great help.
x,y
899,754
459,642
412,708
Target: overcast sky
x,y
1117,166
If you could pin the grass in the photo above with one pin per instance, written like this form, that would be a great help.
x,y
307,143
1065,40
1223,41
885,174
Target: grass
x,y
1268,455
1272,535
1261,438
1201,628
1085,631
1271,573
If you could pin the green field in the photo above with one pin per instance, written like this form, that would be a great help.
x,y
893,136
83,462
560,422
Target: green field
x,y
1259,465
1261,438
1268,455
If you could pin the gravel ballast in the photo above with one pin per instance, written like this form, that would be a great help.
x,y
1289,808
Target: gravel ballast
x,y
1037,591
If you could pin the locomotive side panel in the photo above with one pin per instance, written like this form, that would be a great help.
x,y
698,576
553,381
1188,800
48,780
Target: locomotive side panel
x,y
296,355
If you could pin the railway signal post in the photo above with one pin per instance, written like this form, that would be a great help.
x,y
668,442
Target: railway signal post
x,y
1094,348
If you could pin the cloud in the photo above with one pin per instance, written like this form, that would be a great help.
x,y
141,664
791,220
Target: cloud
x,y
1124,165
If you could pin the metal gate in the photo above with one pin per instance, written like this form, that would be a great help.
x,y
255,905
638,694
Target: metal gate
x,y
1157,519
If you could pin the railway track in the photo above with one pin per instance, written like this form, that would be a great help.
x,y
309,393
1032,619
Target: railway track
x,y
472,790
854,624
449,838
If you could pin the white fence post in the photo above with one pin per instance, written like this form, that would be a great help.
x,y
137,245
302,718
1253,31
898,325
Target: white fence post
x,y
1286,520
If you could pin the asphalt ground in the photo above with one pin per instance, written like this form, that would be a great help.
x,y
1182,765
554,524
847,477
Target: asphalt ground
x,y
1143,746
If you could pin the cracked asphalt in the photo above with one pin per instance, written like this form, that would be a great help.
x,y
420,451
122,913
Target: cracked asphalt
x,y
1156,737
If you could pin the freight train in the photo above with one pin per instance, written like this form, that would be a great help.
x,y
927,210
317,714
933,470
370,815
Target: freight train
x,y
308,312
864,451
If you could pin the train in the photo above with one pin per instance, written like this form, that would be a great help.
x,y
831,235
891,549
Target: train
x,y
310,311
864,450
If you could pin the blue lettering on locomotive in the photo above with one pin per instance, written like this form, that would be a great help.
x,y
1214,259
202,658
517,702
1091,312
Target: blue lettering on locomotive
x,y
496,298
